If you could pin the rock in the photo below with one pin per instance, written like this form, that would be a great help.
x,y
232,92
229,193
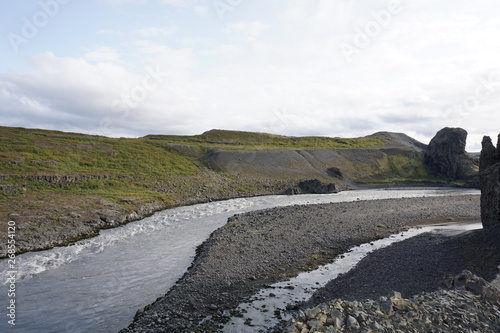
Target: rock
x,y
351,322
489,154
441,311
489,175
335,172
312,313
398,302
446,156
292,191
475,284
314,186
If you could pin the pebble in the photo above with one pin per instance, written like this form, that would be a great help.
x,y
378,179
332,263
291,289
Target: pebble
x,y
289,239
457,310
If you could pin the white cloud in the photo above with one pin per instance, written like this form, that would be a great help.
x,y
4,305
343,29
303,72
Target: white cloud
x,y
201,8
252,29
108,32
154,32
285,74
120,2
227,51
102,54
179,3
157,53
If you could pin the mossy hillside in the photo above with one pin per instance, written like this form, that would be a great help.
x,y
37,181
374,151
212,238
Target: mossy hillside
x,y
73,184
27,151
121,167
154,167
53,180
250,141
397,168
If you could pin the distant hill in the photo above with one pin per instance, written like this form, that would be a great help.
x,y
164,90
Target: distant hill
x,y
398,140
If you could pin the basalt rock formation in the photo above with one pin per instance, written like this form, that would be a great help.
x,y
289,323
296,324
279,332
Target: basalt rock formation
x,y
312,186
446,155
489,174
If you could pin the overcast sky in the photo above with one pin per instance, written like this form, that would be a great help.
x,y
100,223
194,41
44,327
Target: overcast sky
x,y
295,67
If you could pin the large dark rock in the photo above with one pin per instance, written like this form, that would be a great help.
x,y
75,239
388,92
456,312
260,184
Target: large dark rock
x,y
489,174
446,155
312,186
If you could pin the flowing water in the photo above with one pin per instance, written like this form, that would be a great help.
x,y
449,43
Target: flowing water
x,y
97,285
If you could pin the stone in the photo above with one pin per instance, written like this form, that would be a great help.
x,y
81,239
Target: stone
x,y
335,172
398,302
476,285
292,329
351,322
312,313
386,307
489,175
489,154
314,186
292,191
446,155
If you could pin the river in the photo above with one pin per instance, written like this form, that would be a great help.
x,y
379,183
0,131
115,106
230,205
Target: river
x,y
97,285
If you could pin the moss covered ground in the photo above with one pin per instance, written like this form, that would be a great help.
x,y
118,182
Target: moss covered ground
x,y
51,177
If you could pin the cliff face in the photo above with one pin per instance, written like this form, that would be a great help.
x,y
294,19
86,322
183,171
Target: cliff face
x,y
446,155
489,174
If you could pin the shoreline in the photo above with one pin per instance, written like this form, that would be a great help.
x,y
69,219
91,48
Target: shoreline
x,y
262,247
451,281
86,226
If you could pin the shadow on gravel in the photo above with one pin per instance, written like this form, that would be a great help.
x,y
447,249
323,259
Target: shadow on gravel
x,y
415,265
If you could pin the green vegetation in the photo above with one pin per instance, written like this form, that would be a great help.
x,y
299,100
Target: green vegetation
x,y
53,161
399,169
25,151
250,140
73,184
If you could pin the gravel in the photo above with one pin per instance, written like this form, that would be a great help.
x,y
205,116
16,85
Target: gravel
x,y
439,311
262,247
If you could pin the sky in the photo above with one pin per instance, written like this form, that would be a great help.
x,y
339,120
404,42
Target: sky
x,y
340,68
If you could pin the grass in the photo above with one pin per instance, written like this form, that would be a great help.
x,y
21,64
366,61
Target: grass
x,y
250,140
46,161
30,151
53,161
48,177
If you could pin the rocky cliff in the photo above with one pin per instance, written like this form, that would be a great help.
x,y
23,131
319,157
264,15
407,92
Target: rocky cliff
x,y
489,173
446,155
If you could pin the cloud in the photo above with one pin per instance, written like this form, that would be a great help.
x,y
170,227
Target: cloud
x,y
121,2
179,3
102,54
282,72
252,29
154,32
100,98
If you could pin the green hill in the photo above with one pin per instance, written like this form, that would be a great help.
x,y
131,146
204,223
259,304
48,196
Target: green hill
x,y
60,186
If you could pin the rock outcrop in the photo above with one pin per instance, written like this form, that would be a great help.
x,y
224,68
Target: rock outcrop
x,y
446,155
489,174
312,186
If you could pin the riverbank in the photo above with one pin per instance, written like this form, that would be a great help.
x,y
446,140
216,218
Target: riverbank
x,y
45,219
397,288
62,187
258,248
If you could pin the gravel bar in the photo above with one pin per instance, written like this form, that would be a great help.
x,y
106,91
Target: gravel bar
x,y
262,247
